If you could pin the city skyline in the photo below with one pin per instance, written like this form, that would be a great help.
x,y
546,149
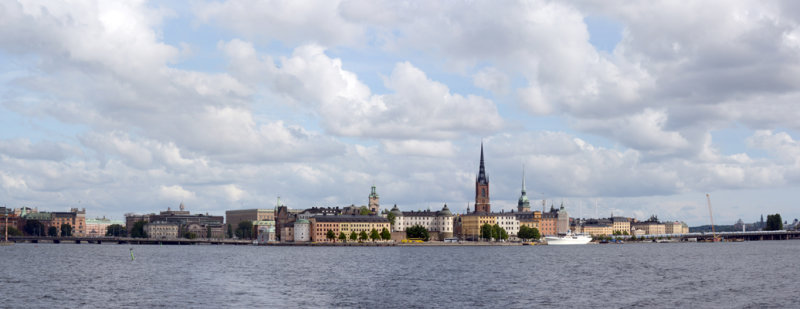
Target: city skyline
x,y
139,106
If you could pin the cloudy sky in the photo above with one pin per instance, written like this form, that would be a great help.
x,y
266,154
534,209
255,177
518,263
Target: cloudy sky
x,y
638,107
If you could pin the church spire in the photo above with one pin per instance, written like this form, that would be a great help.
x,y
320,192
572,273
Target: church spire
x,y
482,179
523,205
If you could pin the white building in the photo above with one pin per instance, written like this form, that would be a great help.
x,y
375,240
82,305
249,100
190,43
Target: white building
x,y
434,221
162,230
302,230
509,222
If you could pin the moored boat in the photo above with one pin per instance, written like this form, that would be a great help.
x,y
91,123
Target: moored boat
x,y
569,239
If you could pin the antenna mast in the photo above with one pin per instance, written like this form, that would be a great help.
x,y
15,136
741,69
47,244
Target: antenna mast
x,y
711,216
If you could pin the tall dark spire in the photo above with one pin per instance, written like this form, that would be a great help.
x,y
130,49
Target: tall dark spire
x,y
482,179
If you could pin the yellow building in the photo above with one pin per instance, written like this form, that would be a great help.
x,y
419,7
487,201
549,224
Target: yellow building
x,y
621,224
675,227
75,218
650,228
320,225
471,223
598,229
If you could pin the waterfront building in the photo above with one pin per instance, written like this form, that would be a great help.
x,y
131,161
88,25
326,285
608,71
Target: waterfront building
x,y
97,227
266,231
75,218
131,219
182,218
288,231
509,222
162,230
233,217
482,202
471,224
320,225
675,227
651,226
621,224
562,220
547,225
45,218
438,223
302,230
206,230
597,229
529,219
10,217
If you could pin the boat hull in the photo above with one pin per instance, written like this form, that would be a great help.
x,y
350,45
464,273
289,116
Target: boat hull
x,y
568,240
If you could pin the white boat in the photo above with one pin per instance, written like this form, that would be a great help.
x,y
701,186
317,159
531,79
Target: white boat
x,y
569,239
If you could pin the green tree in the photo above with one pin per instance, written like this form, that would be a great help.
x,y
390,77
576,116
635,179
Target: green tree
x,y
418,231
230,231
499,233
116,230
364,211
486,231
208,232
353,235
66,230
330,235
245,230
385,234
342,236
34,228
535,234
391,217
374,235
774,223
13,231
189,235
138,230
524,232
52,231
362,236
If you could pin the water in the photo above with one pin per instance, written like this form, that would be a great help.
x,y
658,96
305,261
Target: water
x,y
681,275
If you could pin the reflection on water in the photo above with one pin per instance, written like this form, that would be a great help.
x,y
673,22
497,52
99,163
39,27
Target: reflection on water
x,y
686,275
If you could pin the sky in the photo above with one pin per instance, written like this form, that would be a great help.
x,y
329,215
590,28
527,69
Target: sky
x,y
612,107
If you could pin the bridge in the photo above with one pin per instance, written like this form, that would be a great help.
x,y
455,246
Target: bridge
x,y
127,240
731,236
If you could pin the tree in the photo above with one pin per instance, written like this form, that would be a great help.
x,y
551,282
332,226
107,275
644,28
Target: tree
x,y
353,236
535,233
230,231
13,231
208,232
374,235
330,235
362,236
385,234
391,217
418,231
364,211
189,235
138,230
52,231
245,230
499,233
486,231
33,228
774,223
342,236
116,230
66,230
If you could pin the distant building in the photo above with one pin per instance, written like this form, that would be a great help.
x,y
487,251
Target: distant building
x,y
97,227
523,205
75,218
549,222
206,230
302,230
162,230
482,204
471,224
374,201
181,218
438,223
266,231
509,222
675,227
621,224
650,227
320,225
233,217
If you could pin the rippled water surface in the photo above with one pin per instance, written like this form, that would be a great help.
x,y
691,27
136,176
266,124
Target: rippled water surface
x,y
680,275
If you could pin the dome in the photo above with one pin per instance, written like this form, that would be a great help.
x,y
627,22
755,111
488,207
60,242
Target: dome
x,y
445,212
302,221
396,211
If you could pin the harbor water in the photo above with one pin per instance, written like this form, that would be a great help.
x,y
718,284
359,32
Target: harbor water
x,y
759,274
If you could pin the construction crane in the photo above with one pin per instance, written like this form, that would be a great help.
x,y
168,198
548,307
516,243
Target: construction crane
x,y
711,215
